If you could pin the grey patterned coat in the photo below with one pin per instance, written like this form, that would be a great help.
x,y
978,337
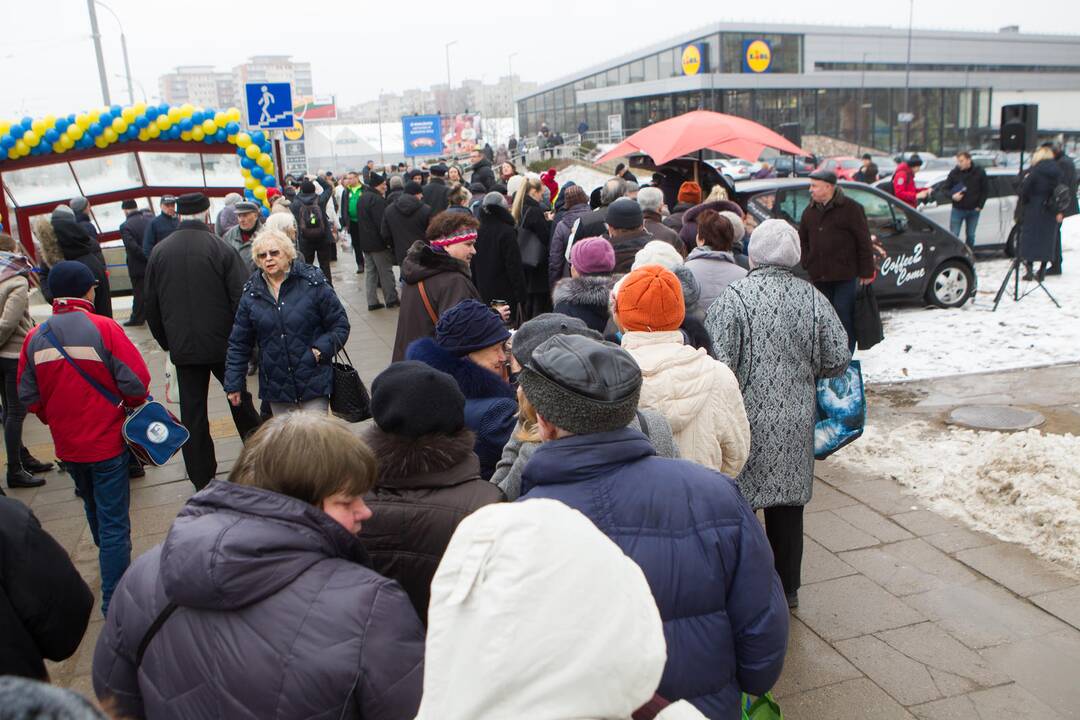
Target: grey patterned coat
x,y
779,335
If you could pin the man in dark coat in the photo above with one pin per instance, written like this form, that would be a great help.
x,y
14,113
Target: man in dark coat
x,y
592,224
1068,178
496,269
429,476
193,286
651,200
378,259
132,231
967,188
314,235
836,249
405,220
76,244
436,192
481,170
625,226
81,207
695,538
162,225
44,602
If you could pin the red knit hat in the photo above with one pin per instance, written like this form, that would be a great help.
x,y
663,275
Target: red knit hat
x,y
690,192
650,299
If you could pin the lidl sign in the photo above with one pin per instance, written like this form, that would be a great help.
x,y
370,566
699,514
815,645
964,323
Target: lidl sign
x,y
692,59
757,56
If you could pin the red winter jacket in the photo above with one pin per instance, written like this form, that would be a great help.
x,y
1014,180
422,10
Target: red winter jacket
x,y
903,183
85,426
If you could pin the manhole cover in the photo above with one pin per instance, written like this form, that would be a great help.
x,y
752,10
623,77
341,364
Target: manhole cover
x,y
996,417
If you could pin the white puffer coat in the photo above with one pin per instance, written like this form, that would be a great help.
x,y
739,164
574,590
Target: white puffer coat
x,y
699,396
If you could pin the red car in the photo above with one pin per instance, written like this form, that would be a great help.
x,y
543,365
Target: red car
x,y
844,167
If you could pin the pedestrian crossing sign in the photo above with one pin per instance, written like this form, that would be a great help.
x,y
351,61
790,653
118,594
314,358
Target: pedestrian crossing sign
x,y
269,105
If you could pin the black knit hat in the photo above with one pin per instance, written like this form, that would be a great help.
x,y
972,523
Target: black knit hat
x,y
412,188
411,398
469,326
375,179
192,204
624,214
581,385
307,187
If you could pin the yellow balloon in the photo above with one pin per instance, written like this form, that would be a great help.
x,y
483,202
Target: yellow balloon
x,y
38,126
209,127
119,125
164,122
197,133
5,127
94,116
243,140
185,136
110,135
82,121
50,122
253,151
260,191
12,154
221,119
58,147
144,134
153,130
264,161
66,141
31,138
230,138
139,107
175,115
101,142
128,114
187,110
233,114
245,172
250,182
74,131
22,147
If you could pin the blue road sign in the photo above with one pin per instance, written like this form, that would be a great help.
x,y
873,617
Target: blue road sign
x,y
269,105
422,135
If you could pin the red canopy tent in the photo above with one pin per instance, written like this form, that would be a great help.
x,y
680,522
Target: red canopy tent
x,y
701,130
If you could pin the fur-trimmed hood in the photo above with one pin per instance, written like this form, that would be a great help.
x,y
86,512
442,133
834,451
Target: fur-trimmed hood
x,y
585,290
423,261
434,460
475,382
46,237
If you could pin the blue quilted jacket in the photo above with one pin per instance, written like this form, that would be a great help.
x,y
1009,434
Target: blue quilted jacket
x,y
703,552
306,315
490,402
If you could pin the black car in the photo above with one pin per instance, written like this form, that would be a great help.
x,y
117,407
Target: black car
x,y
803,165
923,260
677,171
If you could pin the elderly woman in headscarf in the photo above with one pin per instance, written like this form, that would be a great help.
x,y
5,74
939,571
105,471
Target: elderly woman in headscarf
x,y
779,335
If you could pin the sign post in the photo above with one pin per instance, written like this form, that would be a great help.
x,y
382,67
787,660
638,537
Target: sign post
x,y
269,105
614,126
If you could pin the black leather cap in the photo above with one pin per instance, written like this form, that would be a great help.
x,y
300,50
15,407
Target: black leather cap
x,y
827,175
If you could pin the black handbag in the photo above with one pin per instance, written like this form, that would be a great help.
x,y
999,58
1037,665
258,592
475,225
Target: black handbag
x,y
868,328
349,399
533,250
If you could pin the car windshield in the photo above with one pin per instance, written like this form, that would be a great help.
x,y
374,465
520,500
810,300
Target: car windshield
x,y
850,164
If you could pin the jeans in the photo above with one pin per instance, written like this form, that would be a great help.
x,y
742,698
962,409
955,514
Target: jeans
x,y
969,219
14,412
784,528
106,497
379,271
841,293
319,405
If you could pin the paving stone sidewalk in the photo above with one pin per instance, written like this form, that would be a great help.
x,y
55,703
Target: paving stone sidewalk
x,y
904,613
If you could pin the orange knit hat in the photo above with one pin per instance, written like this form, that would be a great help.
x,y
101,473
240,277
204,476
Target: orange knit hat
x,y
690,192
650,299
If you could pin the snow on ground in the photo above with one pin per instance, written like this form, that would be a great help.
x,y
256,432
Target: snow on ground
x,y
925,342
586,177
1021,487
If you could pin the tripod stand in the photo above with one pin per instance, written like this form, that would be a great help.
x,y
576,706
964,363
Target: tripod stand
x,y
1014,268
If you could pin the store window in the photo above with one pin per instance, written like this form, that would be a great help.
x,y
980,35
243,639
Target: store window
x,y
109,173
44,183
651,67
221,170
667,64
172,168
624,74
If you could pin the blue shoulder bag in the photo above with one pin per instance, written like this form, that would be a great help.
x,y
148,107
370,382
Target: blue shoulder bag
x,y
151,431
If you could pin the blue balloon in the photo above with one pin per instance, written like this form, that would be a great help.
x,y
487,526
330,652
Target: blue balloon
x,y
95,129
245,161
71,118
258,137
196,118
131,133
242,154
269,181
266,147
106,119
249,194
6,143
257,172
62,125
209,113
221,136
186,124
163,109
27,122
116,110
51,136
264,211
174,133
141,122
152,112
16,132
232,128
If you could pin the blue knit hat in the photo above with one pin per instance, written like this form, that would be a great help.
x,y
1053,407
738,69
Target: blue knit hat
x,y
469,326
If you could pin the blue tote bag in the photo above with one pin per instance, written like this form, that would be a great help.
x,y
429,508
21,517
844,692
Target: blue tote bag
x,y
841,407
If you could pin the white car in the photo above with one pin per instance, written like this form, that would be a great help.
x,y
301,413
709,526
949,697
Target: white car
x,y
995,220
734,168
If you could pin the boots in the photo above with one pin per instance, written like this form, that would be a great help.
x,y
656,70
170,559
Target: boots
x,y
32,465
19,478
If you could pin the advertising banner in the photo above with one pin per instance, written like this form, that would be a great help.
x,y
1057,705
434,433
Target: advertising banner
x,y
757,56
461,133
422,135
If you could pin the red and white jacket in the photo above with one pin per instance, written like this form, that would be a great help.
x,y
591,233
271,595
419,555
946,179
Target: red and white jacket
x,y
85,426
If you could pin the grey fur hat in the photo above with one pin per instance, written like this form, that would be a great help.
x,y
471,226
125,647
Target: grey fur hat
x,y
534,333
62,212
79,204
775,242
691,288
23,699
581,385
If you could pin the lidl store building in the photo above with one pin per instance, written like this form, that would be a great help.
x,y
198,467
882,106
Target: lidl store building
x,y
841,82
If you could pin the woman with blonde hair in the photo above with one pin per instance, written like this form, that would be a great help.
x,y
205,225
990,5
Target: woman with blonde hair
x,y
294,317
1040,220
282,222
260,588
530,215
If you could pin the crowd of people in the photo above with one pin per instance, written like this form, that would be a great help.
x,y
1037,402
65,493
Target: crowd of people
x,y
650,368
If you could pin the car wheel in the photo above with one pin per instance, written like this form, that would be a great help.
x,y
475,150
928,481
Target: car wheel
x,y
1010,243
951,285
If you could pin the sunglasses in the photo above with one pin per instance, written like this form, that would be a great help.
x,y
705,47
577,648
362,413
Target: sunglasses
x,y
270,253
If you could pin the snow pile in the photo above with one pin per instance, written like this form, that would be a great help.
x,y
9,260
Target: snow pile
x,y
926,342
1020,487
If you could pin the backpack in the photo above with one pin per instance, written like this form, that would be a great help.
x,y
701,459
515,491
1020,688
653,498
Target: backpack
x,y
1058,201
312,225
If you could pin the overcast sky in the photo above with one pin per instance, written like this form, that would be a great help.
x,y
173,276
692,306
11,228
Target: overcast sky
x,y
358,47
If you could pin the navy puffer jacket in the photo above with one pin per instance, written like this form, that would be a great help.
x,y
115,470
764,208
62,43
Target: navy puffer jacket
x,y
306,315
703,552
277,617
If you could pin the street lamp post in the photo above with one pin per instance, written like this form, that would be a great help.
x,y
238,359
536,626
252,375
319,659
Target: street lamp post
x,y
123,48
907,78
97,50
382,158
449,85
513,100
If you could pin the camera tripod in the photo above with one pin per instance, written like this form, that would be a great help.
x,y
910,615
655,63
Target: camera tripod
x,y
1014,268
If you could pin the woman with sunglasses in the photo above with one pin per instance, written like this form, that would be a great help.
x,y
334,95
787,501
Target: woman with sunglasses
x,y
298,323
